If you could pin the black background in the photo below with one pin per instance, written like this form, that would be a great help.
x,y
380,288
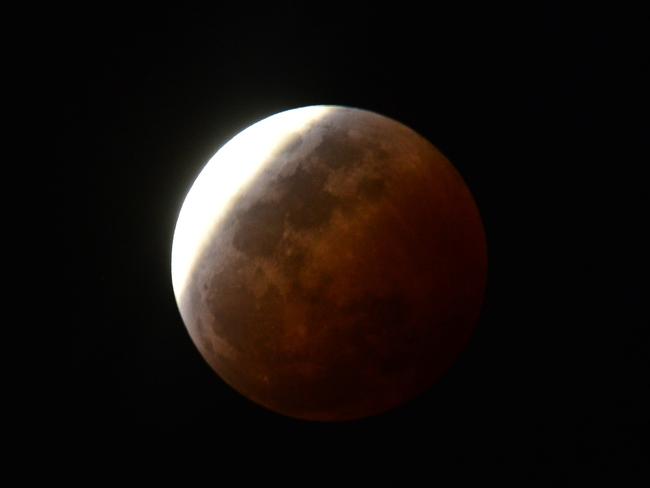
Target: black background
x,y
540,109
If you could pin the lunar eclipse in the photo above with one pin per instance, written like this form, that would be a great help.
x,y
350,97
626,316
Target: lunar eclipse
x,y
329,263
304,240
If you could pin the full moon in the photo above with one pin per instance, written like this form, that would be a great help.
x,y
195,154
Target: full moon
x,y
329,263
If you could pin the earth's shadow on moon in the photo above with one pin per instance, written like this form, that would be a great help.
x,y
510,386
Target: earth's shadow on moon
x,y
350,272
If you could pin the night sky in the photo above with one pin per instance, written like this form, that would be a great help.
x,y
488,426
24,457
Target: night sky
x,y
539,109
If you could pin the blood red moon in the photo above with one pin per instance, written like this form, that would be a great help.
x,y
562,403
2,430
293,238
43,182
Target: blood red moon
x,y
329,263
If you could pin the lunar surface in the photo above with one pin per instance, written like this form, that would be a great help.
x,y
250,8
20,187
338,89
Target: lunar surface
x,y
329,263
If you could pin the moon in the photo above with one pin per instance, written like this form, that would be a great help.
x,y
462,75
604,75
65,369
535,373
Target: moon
x,y
329,263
